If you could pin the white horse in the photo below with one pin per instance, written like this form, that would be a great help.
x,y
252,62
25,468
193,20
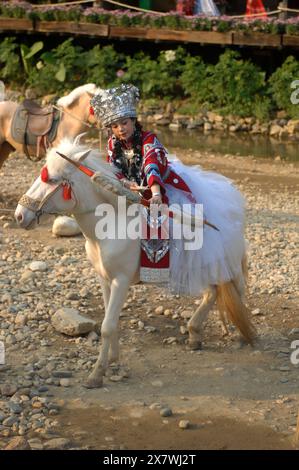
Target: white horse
x,y
115,260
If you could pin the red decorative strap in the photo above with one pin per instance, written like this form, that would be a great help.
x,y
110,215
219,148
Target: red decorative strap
x,y
67,191
91,110
44,175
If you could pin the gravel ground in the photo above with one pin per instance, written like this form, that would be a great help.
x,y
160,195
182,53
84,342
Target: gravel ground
x,y
230,395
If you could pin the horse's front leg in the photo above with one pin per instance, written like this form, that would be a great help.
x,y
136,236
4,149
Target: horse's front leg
x,y
109,330
114,346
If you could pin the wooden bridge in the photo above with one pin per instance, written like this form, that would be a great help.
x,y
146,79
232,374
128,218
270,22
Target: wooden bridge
x,y
149,34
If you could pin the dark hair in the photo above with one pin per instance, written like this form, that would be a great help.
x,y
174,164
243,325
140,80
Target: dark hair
x,y
131,170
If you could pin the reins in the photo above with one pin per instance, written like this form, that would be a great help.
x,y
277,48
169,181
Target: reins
x,y
62,110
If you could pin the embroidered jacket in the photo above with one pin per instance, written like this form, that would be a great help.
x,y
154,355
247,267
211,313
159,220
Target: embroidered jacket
x,y
155,167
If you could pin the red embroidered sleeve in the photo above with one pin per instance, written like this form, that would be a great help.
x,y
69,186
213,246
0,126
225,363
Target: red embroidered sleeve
x,y
154,159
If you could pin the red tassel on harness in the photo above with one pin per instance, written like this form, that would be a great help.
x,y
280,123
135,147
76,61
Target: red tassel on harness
x,y
91,110
44,175
66,191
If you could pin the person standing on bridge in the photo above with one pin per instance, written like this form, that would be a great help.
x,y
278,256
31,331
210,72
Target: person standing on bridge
x,y
205,7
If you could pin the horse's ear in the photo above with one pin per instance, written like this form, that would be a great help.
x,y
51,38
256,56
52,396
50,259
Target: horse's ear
x,y
78,138
95,91
82,155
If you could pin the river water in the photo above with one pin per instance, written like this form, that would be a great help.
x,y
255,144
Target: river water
x,y
242,144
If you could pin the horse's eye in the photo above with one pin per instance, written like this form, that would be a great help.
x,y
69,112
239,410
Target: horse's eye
x,y
53,180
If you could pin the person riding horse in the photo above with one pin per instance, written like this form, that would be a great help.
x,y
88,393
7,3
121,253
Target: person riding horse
x,y
140,160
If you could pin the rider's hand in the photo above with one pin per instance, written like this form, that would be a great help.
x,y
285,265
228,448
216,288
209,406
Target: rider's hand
x,y
156,199
129,184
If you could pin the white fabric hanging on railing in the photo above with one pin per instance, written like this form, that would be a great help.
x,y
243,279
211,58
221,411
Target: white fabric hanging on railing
x,y
206,7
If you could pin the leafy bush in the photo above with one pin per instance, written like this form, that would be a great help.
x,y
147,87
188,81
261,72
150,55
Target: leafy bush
x,y
63,65
103,65
233,85
10,61
280,86
159,77
193,78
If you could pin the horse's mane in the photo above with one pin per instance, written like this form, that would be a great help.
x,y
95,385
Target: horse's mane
x,y
95,159
67,100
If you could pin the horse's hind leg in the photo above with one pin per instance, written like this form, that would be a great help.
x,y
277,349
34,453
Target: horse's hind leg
x,y
5,150
109,330
200,315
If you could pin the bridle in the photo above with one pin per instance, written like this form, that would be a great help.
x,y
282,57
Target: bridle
x,y
37,205
86,123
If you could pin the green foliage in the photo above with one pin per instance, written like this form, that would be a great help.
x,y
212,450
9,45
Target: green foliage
x,y
233,85
63,64
10,69
193,77
280,86
159,77
27,54
102,65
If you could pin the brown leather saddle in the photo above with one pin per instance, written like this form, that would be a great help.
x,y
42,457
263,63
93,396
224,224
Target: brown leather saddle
x,y
33,125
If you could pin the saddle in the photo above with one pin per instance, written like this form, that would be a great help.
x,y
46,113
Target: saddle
x,y
33,125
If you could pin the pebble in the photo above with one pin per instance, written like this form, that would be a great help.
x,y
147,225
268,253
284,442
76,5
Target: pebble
x,y
186,314
62,374
18,443
38,266
256,311
57,443
184,424
165,412
159,310
116,378
8,389
64,382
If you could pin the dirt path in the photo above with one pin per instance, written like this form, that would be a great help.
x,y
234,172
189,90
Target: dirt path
x,y
234,396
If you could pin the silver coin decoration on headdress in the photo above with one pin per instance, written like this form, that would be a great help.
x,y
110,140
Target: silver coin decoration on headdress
x,y
115,103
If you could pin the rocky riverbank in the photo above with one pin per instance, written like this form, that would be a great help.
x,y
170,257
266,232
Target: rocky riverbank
x,y
207,121
231,395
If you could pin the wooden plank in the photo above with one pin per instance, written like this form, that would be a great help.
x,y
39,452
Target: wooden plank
x,y
121,32
204,37
290,40
15,24
87,29
208,37
256,39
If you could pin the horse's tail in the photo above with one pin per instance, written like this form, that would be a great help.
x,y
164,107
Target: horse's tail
x,y
229,302
245,268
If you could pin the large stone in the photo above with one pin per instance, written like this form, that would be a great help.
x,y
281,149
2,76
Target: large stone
x,y
18,443
275,130
8,390
293,126
64,226
57,443
70,322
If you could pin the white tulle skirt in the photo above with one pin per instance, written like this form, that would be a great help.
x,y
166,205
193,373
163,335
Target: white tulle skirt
x,y
219,258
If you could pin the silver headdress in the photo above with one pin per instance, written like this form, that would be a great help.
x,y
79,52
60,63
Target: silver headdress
x,y
115,103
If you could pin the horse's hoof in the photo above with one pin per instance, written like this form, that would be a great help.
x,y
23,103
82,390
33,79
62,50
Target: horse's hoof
x,y
194,345
93,382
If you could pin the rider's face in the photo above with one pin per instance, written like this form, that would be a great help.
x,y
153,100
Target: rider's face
x,y
123,129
